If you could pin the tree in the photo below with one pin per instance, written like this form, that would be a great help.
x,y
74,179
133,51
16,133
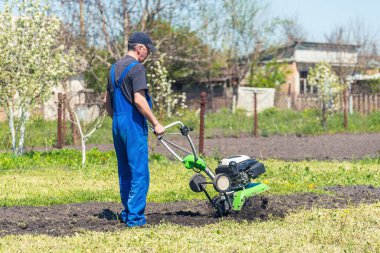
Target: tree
x,y
185,55
354,34
270,75
292,30
328,85
32,62
242,30
106,26
182,53
164,100
86,131
244,33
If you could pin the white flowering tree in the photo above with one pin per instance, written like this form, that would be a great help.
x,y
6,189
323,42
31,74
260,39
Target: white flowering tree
x,y
165,101
328,85
31,62
85,134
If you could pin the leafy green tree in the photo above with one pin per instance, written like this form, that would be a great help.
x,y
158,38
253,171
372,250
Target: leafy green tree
x,y
96,74
328,86
32,62
242,30
184,54
373,85
270,75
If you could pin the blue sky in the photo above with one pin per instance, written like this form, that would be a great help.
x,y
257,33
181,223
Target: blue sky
x,y
319,17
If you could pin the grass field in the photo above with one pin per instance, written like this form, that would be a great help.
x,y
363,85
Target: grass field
x,y
56,177
52,178
272,121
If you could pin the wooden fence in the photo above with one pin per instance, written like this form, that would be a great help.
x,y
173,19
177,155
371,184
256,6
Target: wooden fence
x,y
362,103
3,116
366,103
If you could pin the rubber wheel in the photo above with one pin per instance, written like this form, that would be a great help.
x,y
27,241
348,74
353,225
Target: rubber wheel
x,y
197,183
222,182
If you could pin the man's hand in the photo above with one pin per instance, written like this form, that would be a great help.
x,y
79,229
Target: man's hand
x,y
159,129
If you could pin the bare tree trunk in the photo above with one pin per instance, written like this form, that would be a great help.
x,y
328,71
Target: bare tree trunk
x,y
81,21
126,24
84,136
82,139
64,120
324,123
144,17
23,119
10,115
104,26
59,121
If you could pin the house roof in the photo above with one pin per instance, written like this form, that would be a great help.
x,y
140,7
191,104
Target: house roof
x,y
287,52
218,79
302,45
357,77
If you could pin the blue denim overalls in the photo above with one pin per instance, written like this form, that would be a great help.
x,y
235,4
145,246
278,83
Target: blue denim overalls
x,y
130,133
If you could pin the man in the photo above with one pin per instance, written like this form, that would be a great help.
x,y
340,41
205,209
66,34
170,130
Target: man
x,y
129,105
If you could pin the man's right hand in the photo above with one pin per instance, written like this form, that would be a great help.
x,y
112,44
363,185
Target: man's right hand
x,y
159,129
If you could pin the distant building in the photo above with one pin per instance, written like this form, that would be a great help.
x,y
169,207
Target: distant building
x,y
85,102
301,56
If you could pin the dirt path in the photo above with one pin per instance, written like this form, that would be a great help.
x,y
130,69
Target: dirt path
x,y
323,147
68,219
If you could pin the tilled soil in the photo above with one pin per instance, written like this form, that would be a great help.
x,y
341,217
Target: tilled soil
x,y
342,146
74,218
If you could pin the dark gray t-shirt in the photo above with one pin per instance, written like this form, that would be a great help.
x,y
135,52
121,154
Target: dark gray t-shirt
x,y
134,81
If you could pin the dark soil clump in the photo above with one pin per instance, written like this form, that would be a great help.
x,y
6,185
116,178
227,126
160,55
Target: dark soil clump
x,y
73,218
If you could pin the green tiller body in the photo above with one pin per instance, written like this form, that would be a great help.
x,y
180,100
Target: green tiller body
x,y
233,179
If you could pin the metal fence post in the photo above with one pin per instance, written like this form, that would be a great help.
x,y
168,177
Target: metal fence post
x,y
202,122
345,109
255,114
64,119
59,123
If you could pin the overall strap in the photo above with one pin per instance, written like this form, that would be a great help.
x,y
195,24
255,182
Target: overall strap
x,y
112,75
125,72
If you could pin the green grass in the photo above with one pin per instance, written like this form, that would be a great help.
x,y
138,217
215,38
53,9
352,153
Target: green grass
x,y
40,178
287,122
355,229
272,121
46,178
41,133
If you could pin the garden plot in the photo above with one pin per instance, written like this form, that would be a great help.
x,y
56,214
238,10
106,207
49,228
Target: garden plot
x,y
68,219
49,203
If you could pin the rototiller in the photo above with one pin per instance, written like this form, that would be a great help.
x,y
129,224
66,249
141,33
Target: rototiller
x,y
232,178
